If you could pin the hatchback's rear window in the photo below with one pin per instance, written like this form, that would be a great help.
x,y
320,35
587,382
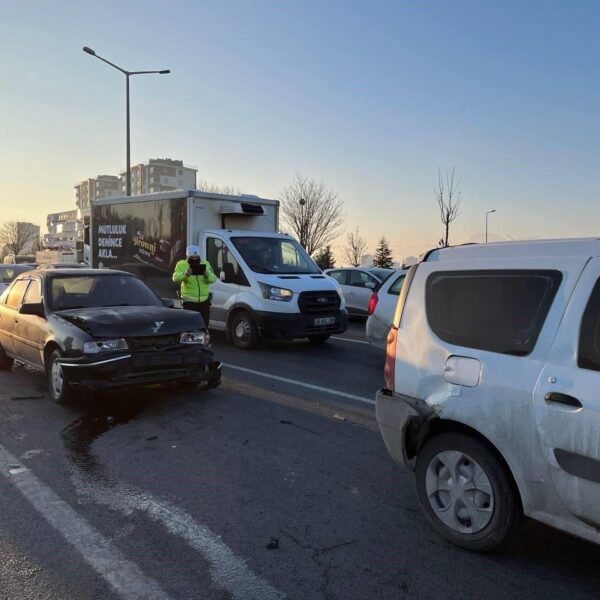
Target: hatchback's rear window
x,y
499,311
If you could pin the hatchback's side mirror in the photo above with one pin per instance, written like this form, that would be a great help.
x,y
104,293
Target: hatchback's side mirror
x,y
168,302
370,285
33,308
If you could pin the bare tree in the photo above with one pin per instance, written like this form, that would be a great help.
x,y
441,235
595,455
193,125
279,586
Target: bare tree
x,y
356,248
448,198
312,211
16,236
213,188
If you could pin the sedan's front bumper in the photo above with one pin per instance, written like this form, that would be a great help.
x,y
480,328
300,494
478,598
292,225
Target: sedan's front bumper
x,y
398,415
141,368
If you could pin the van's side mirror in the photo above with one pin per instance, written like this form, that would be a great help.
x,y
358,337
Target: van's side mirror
x,y
223,277
168,302
33,308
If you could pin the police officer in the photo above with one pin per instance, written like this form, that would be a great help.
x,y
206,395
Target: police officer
x,y
195,277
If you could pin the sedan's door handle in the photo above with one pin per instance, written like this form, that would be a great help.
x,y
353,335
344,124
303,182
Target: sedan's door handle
x,y
563,399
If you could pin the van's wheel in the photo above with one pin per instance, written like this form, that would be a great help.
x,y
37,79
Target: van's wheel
x,y
321,338
5,361
466,492
243,330
60,390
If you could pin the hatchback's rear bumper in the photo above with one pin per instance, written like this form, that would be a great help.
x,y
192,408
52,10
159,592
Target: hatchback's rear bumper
x,y
397,415
142,368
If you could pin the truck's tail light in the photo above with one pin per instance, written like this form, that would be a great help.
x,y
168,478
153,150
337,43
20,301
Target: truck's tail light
x,y
389,371
373,302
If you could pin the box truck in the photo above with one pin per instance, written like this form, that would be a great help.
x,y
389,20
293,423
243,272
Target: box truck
x,y
267,286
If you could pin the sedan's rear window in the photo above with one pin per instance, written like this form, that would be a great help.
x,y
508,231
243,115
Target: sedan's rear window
x,y
498,311
97,291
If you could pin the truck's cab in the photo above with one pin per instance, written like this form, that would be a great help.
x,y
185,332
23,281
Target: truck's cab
x,y
269,287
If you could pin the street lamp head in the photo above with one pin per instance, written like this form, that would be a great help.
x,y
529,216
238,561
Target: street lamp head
x,y
165,71
89,51
493,210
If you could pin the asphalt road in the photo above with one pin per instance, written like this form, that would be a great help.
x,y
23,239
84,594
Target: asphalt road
x,y
162,494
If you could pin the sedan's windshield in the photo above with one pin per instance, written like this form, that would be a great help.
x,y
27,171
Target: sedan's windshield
x,y
99,290
283,256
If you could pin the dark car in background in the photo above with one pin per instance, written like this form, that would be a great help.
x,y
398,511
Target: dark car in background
x,y
96,329
9,272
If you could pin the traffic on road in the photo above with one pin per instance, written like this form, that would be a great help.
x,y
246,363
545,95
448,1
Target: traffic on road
x,y
276,484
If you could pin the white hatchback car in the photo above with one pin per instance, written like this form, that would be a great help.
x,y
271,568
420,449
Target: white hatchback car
x,y
357,285
382,307
492,378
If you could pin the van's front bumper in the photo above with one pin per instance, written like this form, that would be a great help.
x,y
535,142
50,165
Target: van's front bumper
x,y
400,417
290,326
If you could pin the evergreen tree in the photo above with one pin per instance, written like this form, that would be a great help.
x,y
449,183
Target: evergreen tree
x,y
383,255
325,259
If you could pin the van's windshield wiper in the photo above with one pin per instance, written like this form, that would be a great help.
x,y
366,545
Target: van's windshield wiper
x,y
263,270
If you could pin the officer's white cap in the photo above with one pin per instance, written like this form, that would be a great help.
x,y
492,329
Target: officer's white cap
x,y
193,251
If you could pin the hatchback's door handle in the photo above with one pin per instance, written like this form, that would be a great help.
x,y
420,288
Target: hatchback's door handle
x,y
563,399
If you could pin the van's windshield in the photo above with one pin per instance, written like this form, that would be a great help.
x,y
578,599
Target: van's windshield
x,y
281,256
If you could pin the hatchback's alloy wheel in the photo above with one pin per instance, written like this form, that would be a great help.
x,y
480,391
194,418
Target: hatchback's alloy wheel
x,y
466,492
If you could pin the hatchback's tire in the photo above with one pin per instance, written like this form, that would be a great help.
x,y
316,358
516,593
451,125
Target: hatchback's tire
x,y
5,361
320,338
243,330
60,390
467,493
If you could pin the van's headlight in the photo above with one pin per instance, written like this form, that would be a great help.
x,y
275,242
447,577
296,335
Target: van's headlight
x,y
99,346
271,292
195,337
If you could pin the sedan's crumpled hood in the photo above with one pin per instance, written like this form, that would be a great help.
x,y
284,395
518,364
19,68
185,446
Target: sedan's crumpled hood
x,y
132,321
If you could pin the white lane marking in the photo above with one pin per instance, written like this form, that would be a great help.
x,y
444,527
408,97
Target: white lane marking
x,y
124,576
309,386
227,571
341,339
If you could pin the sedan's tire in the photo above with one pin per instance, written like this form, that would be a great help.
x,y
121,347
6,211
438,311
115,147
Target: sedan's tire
x,y
60,390
243,330
320,338
467,493
5,361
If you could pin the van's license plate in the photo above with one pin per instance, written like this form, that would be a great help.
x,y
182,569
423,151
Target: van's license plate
x,y
324,321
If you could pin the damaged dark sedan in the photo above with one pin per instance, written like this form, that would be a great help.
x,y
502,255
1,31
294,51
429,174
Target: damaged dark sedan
x,y
96,329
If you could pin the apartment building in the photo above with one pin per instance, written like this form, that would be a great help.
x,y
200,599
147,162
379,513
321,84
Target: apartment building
x,y
90,189
65,230
159,175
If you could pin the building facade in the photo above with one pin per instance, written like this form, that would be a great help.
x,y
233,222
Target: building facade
x,y
65,231
102,186
159,175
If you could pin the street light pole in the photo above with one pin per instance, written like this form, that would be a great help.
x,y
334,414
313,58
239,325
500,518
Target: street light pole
x,y
127,74
489,212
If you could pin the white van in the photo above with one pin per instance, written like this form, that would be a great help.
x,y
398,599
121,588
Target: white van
x,y
268,286
492,378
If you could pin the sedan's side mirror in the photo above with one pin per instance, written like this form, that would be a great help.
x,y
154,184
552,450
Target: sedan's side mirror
x,y
168,302
33,308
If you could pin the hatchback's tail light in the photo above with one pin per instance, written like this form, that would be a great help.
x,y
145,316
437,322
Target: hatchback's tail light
x,y
389,370
373,302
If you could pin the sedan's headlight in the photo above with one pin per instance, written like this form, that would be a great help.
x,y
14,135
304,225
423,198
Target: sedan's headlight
x,y
104,346
195,337
271,292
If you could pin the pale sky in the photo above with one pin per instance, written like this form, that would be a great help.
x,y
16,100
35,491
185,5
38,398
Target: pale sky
x,y
371,97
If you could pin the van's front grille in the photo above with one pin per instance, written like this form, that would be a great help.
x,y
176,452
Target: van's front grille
x,y
319,303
